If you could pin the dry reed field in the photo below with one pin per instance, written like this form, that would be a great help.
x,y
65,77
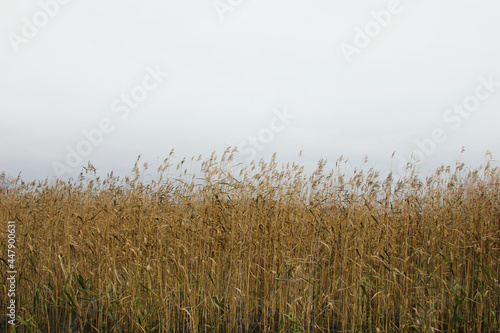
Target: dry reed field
x,y
259,248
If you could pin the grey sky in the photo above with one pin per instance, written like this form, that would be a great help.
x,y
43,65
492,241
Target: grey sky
x,y
228,77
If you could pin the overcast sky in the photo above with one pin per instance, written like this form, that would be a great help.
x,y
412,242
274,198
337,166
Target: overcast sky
x,y
330,78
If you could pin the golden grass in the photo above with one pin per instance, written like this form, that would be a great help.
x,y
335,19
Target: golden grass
x,y
266,249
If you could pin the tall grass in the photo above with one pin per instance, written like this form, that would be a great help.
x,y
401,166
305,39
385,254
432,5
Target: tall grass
x,y
266,248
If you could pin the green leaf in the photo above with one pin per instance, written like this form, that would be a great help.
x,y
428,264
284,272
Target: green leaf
x,y
210,277
182,293
217,303
294,321
364,291
81,282
146,289
70,298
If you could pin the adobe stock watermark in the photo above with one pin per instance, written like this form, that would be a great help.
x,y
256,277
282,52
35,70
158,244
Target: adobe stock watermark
x,y
373,28
253,144
11,273
224,7
121,107
31,27
454,117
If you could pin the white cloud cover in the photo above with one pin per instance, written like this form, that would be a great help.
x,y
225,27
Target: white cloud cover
x,y
226,78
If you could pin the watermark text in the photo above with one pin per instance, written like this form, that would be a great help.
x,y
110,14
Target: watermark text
x,y
11,272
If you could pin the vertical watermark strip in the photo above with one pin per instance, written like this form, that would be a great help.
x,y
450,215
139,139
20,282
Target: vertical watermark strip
x,y
11,273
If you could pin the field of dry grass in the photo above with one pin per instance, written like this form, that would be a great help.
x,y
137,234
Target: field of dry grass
x,y
266,248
